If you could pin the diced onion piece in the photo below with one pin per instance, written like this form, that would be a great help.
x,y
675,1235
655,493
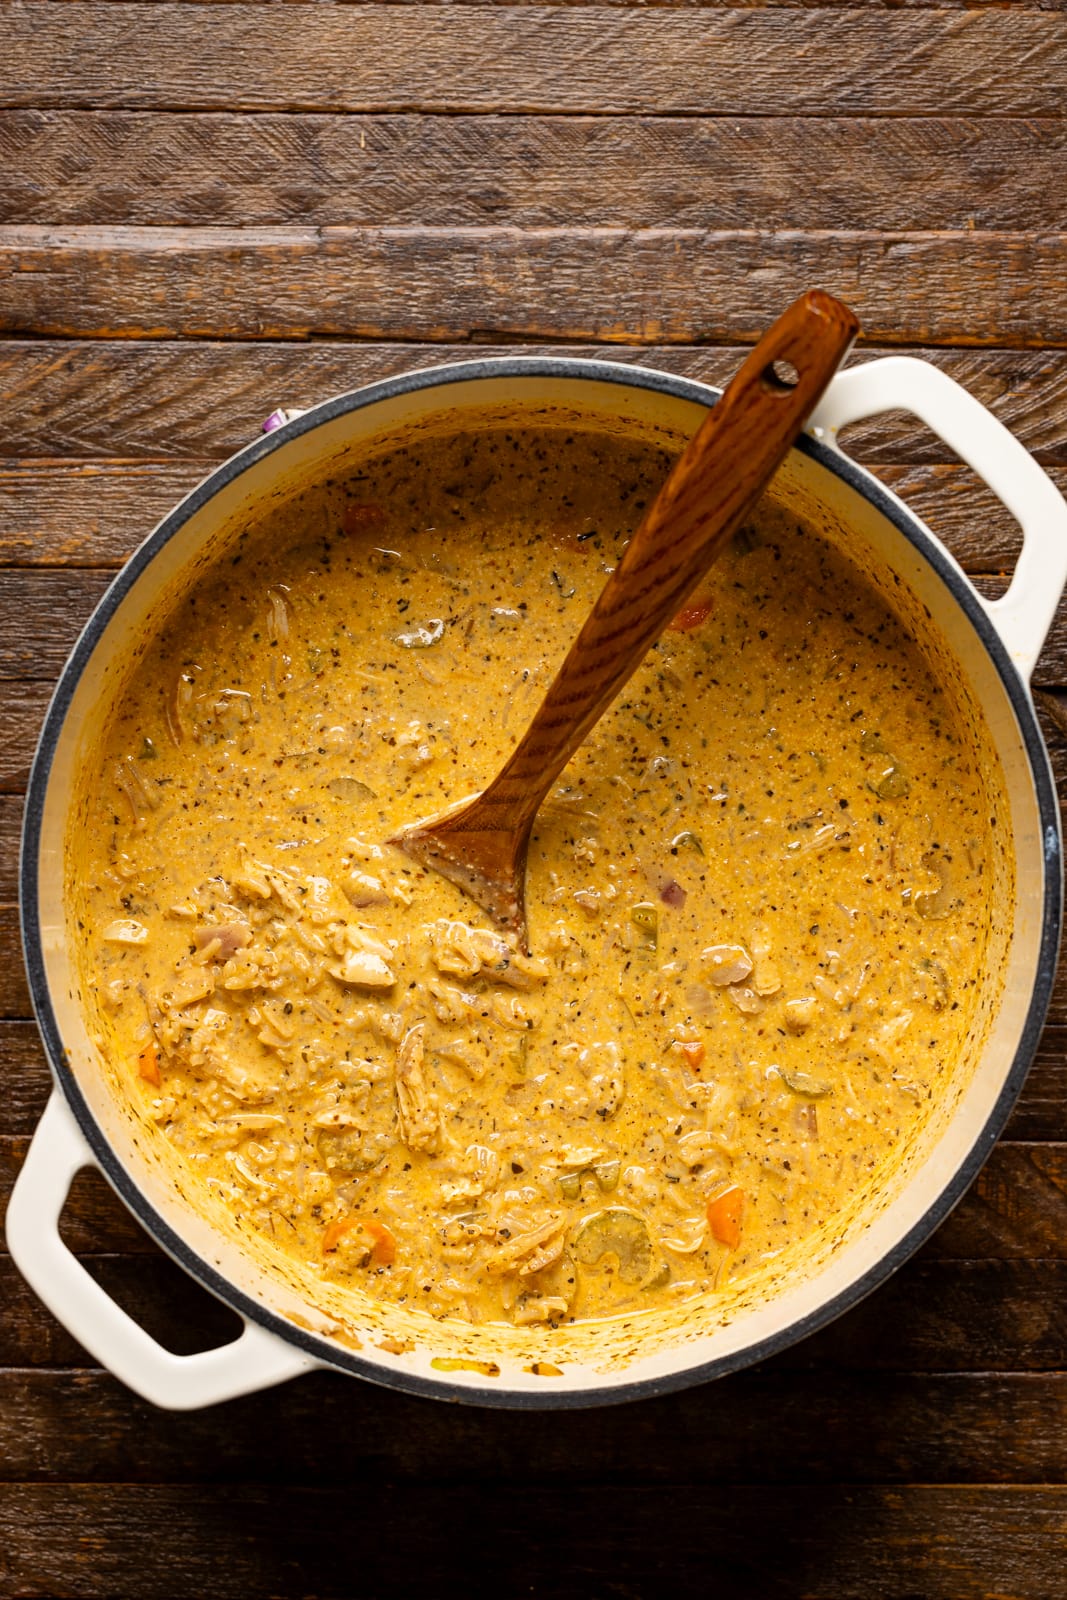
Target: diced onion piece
x,y
726,964
364,890
746,999
607,1175
800,1014
124,930
229,936
934,905
688,1238
365,969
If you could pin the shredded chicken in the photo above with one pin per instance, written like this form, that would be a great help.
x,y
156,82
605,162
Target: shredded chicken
x,y
418,1113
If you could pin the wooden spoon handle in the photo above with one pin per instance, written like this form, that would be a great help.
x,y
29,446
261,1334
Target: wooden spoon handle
x,y
711,489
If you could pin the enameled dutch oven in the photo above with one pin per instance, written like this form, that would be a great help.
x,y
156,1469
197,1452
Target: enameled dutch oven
x,y
986,649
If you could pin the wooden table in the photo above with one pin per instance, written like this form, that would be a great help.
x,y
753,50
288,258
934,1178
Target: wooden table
x,y
210,210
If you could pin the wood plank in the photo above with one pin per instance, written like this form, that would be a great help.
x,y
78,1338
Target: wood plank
x,y
14,995
457,60
129,167
41,616
1041,1111
948,1316
165,400
1016,1209
87,514
864,1542
24,706
10,835
25,1076
94,514
709,5
79,1426
613,284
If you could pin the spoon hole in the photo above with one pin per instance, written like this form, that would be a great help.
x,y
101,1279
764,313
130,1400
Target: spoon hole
x,y
781,375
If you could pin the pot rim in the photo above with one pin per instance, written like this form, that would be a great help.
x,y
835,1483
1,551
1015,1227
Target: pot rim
x,y
318,1347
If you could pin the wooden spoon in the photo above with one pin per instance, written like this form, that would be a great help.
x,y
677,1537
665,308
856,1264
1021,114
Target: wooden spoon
x,y
482,845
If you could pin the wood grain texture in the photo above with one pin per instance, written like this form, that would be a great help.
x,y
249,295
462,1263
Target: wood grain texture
x,y
164,400
41,615
863,1542
14,994
78,514
888,1428
445,59
617,285
197,169
1016,1209
24,706
704,5
10,827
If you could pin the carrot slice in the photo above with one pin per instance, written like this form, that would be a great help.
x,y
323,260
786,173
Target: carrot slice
x,y
690,616
724,1216
148,1064
693,1051
336,1231
383,1249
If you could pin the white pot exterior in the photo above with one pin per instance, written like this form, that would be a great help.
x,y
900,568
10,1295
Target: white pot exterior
x,y
990,648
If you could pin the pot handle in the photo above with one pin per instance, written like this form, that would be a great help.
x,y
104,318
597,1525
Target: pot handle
x,y
254,1360
1022,616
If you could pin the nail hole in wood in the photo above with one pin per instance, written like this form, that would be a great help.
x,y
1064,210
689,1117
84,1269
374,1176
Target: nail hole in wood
x,y
781,375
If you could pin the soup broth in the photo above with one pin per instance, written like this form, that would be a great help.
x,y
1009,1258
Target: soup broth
x,y
755,897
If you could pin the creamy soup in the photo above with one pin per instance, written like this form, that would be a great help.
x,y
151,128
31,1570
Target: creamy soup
x,y
756,902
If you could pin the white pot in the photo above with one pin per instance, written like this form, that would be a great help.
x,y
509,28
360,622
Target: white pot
x,y
990,648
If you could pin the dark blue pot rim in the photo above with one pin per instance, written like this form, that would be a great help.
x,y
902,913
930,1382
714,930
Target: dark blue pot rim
x,y
320,1349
